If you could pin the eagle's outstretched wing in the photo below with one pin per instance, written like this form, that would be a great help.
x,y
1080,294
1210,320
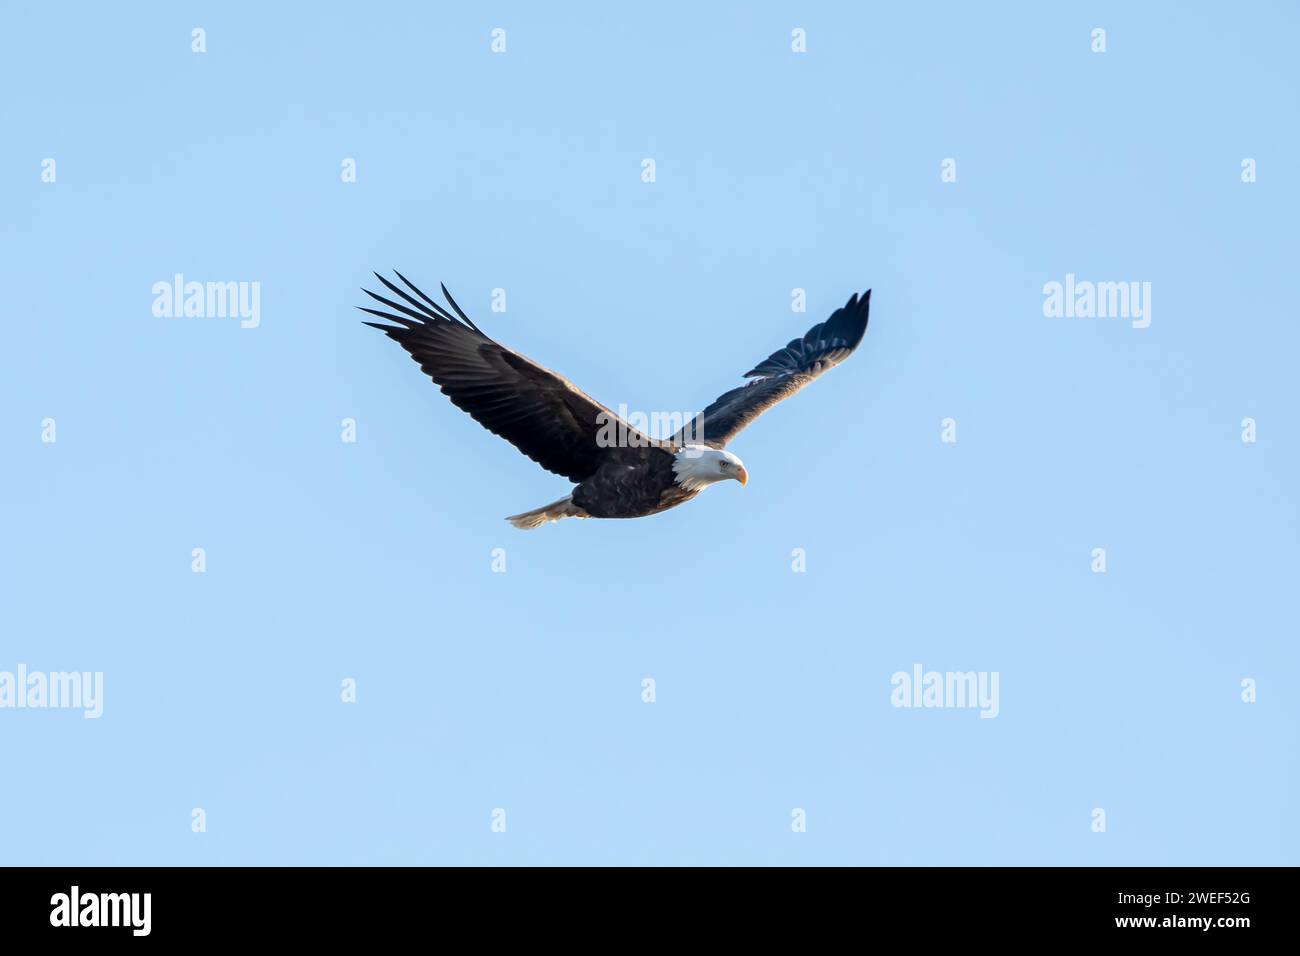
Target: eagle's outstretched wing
x,y
782,374
543,414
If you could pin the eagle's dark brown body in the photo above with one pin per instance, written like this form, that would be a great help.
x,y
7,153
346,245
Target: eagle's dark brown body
x,y
564,430
633,483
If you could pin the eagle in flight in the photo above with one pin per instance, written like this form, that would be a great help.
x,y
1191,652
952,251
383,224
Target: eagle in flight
x,y
566,431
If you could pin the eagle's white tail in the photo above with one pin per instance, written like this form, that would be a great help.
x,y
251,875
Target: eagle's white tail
x,y
564,508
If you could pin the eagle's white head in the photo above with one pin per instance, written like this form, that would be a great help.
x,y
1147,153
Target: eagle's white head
x,y
698,466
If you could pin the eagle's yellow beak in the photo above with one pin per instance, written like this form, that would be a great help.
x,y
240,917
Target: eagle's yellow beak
x,y
742,476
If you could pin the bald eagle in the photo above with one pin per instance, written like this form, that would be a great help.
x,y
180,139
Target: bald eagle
x,y
566,431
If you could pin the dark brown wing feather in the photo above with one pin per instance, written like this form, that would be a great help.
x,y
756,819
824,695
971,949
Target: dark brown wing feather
x,y
781,374
541,413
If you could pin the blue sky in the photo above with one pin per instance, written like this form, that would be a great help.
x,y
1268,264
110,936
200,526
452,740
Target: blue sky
x,y
522,690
